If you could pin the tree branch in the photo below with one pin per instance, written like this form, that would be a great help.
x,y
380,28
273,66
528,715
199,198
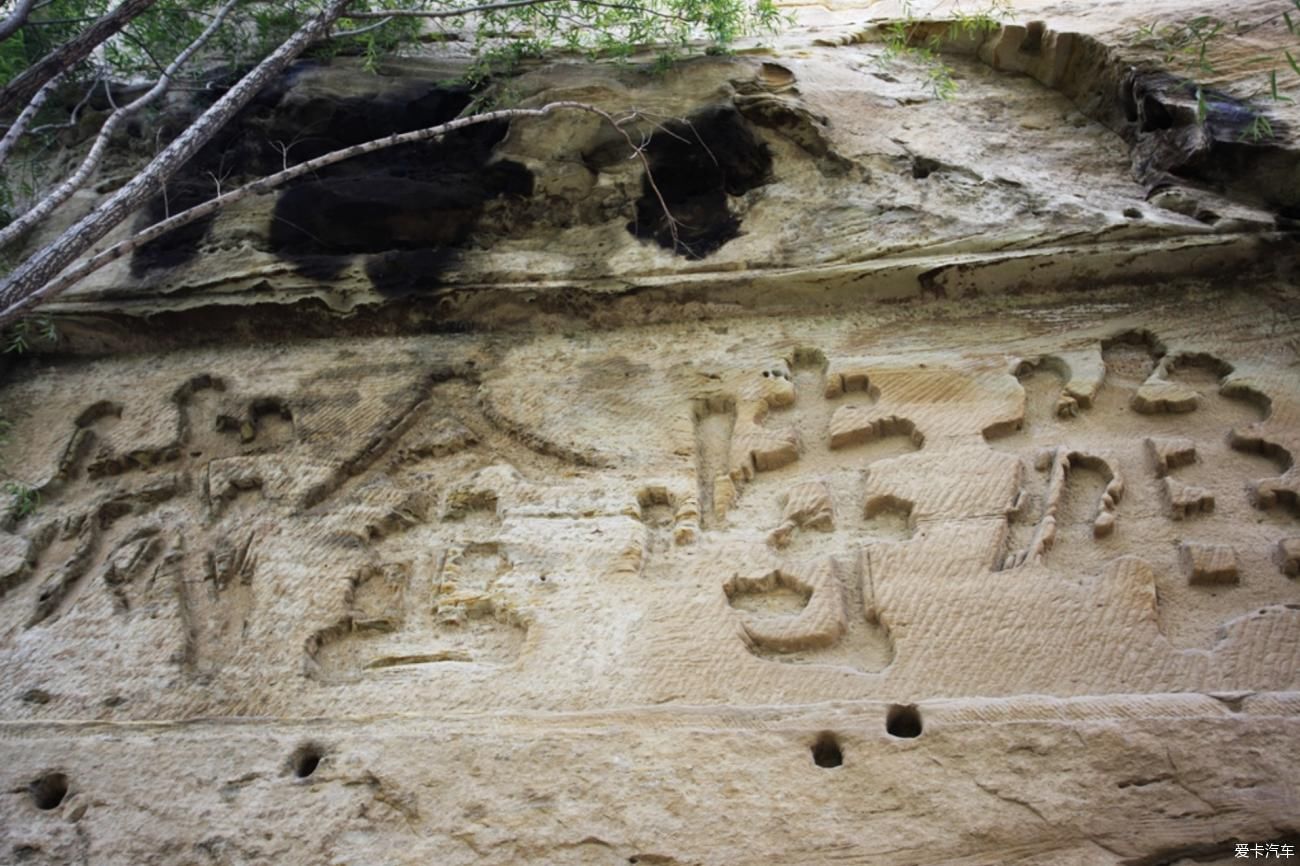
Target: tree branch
x,y
16,308
16,131
74,181
446,13
16,19
33,274
145,49
70,53
76,109
347,34
501,6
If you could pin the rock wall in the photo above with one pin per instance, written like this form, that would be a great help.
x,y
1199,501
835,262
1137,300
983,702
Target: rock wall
x,y
932,499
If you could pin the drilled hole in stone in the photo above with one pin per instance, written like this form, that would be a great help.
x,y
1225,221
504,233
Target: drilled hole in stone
x,y
826,751
49,790
306,759
903,720
923,167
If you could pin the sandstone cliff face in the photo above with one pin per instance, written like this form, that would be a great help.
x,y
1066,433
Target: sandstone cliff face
x,y
932,500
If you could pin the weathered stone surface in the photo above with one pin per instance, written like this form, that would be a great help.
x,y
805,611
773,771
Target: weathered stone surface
x,y
1186,500
584,552
525,539
1168,453
1288,556
832,184
1210,563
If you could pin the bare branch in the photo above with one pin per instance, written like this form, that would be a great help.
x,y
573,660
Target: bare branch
x,y
21,122
76,109
54,22
89,265
504,5
70,53
638,151
447,13
33,274
64,191
16,19
347,34
108,96
145,49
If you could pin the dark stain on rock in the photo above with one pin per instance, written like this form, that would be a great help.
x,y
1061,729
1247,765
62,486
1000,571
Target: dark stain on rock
x,y
696,165
409,208
1181,130
396,273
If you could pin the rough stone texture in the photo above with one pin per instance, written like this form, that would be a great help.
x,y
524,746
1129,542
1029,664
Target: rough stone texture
x,y
1210,563
1288,556
840,178
685,559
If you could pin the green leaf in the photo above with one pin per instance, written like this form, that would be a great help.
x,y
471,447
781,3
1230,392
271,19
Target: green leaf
x,y
1289,59
26,499
1272,84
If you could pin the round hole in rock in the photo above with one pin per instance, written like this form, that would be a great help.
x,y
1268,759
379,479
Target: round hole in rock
x,y
306,759
49,790
826,751
923,167
903,720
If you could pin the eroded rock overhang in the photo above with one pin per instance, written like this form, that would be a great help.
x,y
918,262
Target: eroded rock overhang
x,y
829,176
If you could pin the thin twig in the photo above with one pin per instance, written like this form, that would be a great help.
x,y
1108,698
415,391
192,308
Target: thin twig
x,y
51,22
348,34
74,115
108,95
144,46
639,152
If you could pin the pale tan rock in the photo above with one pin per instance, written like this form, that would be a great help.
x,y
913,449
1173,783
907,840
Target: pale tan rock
x,y
819,620
432,599
809,505
1186,500
15,553
1158,396
1170,453
1210,563
483,575
1288,556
